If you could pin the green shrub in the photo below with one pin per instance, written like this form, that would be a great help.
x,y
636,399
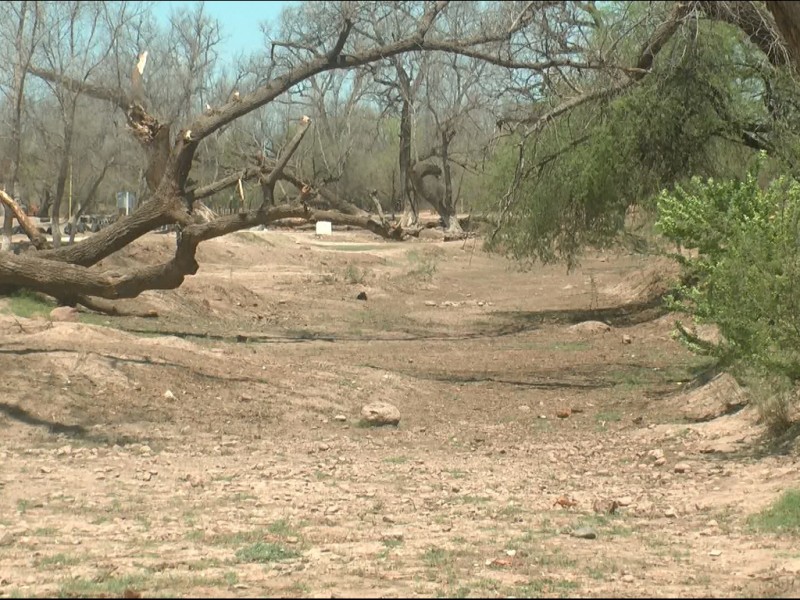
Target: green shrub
x,y
744,275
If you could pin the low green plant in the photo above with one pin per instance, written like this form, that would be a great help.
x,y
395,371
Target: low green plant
x,y
744,276
782,517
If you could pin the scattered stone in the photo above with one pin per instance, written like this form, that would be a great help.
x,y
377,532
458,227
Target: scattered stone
x,y
563,413
64,450
660,461
64,314
626,339
715,553
720,396
656,453
361,296
511,552
584,533
380,413
169,395
341,418
628,578
671,513
323,447
481,303
430,303
524,408
246,398
625,501
682,468
591,327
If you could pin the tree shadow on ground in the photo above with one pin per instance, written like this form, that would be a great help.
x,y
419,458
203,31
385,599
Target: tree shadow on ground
x,y
17,413
501,323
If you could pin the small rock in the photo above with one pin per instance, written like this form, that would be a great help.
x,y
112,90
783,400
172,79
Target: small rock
x,y
430,303
584,533
656,453
380,413
322,447
64,450
626,339
671,513
481,303
340,418
511,552
64,313
715,553
660,461
361,296
169,395
590,327
145,449
524,408
246,398
563,413
625,501
628,578
682,468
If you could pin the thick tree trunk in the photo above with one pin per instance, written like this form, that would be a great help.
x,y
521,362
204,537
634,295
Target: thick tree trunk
x,y
447,208
787,18
410,218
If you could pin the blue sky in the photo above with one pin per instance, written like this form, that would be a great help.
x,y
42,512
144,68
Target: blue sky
x,y
241,21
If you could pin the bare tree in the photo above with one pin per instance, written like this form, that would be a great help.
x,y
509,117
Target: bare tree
x,y
24,17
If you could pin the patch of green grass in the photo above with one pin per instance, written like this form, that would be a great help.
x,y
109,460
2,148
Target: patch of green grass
x,y
231,578
237,538
536,588
569,346
510,511
435,557
782,517
350,247
102,585
28,304
392,543
610,416
469,499
203,563
22,505
45,531
396,460
56,561
355,275
422,264
265,552
282,528
457,474
250,236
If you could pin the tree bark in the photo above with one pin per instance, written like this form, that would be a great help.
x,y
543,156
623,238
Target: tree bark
x,y
787,18
410,208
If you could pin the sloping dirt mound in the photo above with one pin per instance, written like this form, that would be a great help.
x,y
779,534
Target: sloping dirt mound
x,y
720,396
645,284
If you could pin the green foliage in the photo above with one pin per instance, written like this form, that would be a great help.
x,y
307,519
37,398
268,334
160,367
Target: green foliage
x,y
27,304
587,167
782,517
264,552
744,274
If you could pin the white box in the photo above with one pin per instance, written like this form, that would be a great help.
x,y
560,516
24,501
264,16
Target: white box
x,y
324,228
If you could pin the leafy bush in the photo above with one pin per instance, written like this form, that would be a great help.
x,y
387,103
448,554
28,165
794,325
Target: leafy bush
x,y
744,274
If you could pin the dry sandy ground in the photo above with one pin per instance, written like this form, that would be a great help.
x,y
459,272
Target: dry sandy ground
x,y
224,456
